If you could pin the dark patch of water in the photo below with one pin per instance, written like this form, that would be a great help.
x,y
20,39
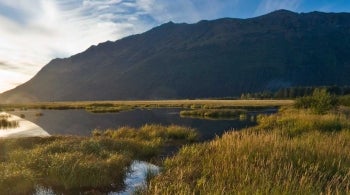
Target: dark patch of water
x,y
81,122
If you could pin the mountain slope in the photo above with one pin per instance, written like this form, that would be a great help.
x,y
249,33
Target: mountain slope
x,y
224,57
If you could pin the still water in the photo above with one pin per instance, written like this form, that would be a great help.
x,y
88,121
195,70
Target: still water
x,y
81,122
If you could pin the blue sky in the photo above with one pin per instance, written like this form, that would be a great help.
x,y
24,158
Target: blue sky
x,y
32,32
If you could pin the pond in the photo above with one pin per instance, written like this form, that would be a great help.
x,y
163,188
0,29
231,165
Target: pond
x,y
81,122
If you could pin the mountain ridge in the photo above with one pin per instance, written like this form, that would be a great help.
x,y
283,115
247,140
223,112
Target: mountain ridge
x,y
218,58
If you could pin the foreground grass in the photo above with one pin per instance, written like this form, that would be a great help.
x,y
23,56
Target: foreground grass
x,y
292,152
76,164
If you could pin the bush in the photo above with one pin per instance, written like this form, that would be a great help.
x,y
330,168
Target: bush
x,y
320,102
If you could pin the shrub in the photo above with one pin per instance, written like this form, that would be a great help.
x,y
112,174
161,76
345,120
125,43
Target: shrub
x,y
320,102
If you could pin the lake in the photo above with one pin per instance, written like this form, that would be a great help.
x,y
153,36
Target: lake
x,y
81,122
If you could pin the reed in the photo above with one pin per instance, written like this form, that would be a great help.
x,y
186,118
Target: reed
x,y
5,123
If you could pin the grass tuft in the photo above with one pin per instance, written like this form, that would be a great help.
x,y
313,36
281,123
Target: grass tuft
x,y
5,123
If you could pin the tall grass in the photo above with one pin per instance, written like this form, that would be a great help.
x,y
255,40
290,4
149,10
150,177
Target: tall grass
x,y
292,122
294,152
151,132
75,164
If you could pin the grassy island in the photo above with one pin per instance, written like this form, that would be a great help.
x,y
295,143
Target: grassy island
x,y
213,113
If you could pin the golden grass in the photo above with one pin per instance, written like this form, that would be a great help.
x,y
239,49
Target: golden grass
x,y
73,163
267,159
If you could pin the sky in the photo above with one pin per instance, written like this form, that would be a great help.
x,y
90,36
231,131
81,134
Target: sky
x,y
33,32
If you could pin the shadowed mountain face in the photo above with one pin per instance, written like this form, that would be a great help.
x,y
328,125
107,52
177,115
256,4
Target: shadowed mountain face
x,y
224,57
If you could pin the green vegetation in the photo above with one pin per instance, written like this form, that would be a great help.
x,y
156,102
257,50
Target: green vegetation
x,y
293,152
214,113
77,164
344,100
5,123
320,102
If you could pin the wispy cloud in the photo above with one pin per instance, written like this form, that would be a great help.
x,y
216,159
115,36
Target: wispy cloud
x,y
267,6
34,32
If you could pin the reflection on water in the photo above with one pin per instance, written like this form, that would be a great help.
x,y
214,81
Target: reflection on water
x,y
135,178
24,128
80,122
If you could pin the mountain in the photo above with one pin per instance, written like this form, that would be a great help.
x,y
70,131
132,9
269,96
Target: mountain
x,y
219,58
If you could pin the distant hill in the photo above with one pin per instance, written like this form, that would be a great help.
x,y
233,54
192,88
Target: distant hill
x,y
219,58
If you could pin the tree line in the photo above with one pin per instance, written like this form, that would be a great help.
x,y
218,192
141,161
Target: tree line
x,y
295,92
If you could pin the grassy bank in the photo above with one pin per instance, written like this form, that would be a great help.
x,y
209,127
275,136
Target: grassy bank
x,y
292,152
79,164
101,106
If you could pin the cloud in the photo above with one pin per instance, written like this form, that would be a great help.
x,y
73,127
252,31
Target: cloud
x,y
189,11
267,6
34,32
